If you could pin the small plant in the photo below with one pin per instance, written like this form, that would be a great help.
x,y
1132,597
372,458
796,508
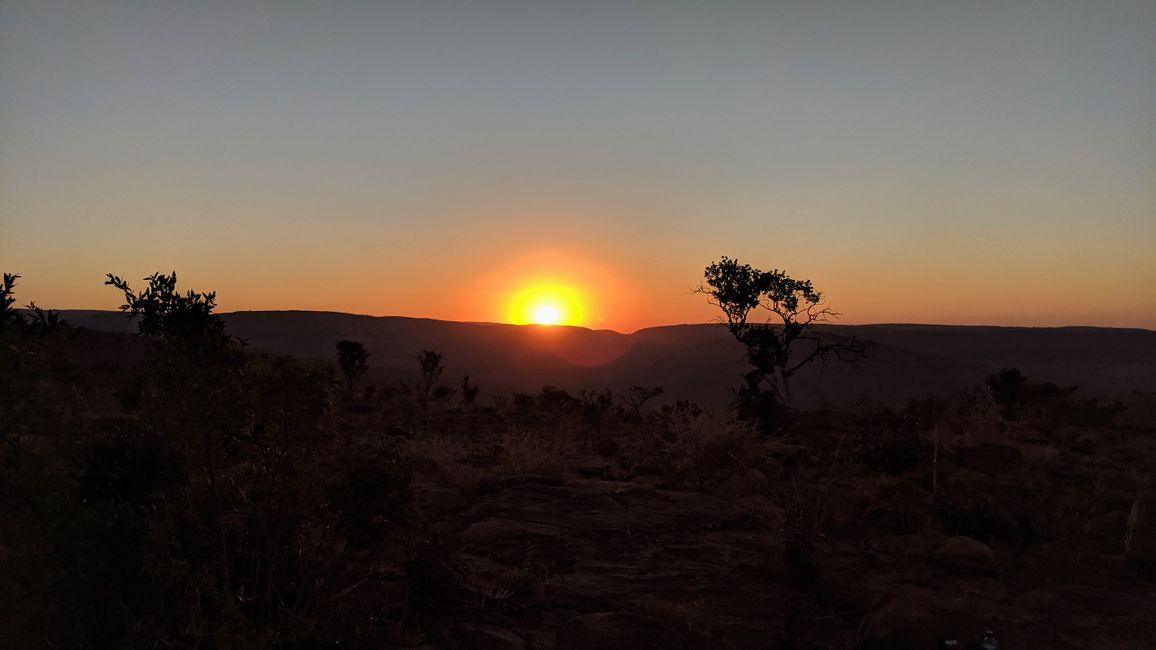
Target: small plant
x,y
637,397
692,446
9,317
372,503
1007,389
431,366
351,357
469,392
34,322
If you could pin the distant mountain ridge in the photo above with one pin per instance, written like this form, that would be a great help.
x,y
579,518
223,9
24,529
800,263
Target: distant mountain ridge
x,y
701,361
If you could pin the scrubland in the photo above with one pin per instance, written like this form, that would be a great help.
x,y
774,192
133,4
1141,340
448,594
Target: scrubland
x,y
161,494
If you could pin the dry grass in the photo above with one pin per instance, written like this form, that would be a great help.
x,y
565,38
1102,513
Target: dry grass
x,y
466,463
692,448
449,455
528,450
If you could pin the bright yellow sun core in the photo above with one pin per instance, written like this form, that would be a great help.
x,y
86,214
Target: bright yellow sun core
x,y
546,304
547,314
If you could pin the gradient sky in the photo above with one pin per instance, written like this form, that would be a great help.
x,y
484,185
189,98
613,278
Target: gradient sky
x,y
954,162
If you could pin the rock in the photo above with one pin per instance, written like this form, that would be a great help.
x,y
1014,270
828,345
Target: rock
x,y
486,637
1140,536
1085,444
787,453
917,617
613,630
988,457
1108,529
890,520
912,547
964,556
423,466
1080,616
606,448
595,468
754,481
434,498
511,542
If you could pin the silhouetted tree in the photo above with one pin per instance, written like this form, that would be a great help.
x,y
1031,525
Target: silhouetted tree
x,y
638,396
41,321
352,357
33,321
183,322
469,391
432,366
1007,387
9,317
775,351
196,370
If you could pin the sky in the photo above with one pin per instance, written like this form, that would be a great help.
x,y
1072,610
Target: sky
x,y
988,162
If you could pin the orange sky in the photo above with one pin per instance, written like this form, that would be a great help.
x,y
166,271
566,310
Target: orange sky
x,y
921,162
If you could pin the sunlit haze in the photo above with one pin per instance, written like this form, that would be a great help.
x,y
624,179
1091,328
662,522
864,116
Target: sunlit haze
x,y
580,163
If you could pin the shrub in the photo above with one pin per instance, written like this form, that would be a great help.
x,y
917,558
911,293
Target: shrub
x,y
372,503
891,443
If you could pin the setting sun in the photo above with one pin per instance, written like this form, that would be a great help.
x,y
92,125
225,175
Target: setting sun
x,y
546,304
547,314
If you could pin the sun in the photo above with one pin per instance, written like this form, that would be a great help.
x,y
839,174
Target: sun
x,y
546,303
547,314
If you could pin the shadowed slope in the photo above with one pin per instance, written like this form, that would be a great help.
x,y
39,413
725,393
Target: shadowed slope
x,y
702,362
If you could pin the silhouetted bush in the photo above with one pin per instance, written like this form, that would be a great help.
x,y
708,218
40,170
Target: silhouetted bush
x,y
202,519
1007,387
351,357
127,467
889,442
371,503
552,398
978,514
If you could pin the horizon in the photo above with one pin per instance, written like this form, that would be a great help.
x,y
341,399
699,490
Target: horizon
x,y
506,161
630,332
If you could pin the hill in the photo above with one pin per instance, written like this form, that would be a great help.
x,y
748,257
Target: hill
x,y
702,362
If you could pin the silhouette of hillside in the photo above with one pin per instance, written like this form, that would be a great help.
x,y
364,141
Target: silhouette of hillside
x,y
702,362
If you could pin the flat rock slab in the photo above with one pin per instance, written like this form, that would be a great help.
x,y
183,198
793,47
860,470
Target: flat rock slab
x,y
605,546
616,630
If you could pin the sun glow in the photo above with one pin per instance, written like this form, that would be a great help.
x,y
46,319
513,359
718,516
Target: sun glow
x,y
547,314
547,304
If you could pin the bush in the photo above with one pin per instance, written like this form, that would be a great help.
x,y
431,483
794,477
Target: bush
x,y
890,443
973,513
206,517
372,503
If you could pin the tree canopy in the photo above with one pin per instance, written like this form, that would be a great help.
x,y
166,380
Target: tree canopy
x,y
786,341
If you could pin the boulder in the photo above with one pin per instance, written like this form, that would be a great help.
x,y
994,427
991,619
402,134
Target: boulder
x,y
964,556
1108,529
1085,444
911,617
988,457
593,468
787,453
486,637
613,630
606,447
754,481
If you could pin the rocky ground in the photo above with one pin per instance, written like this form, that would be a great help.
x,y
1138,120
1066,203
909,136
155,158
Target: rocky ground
x,y
554,520
809,540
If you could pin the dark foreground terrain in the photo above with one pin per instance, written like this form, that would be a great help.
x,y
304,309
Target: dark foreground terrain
x,y
177,494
